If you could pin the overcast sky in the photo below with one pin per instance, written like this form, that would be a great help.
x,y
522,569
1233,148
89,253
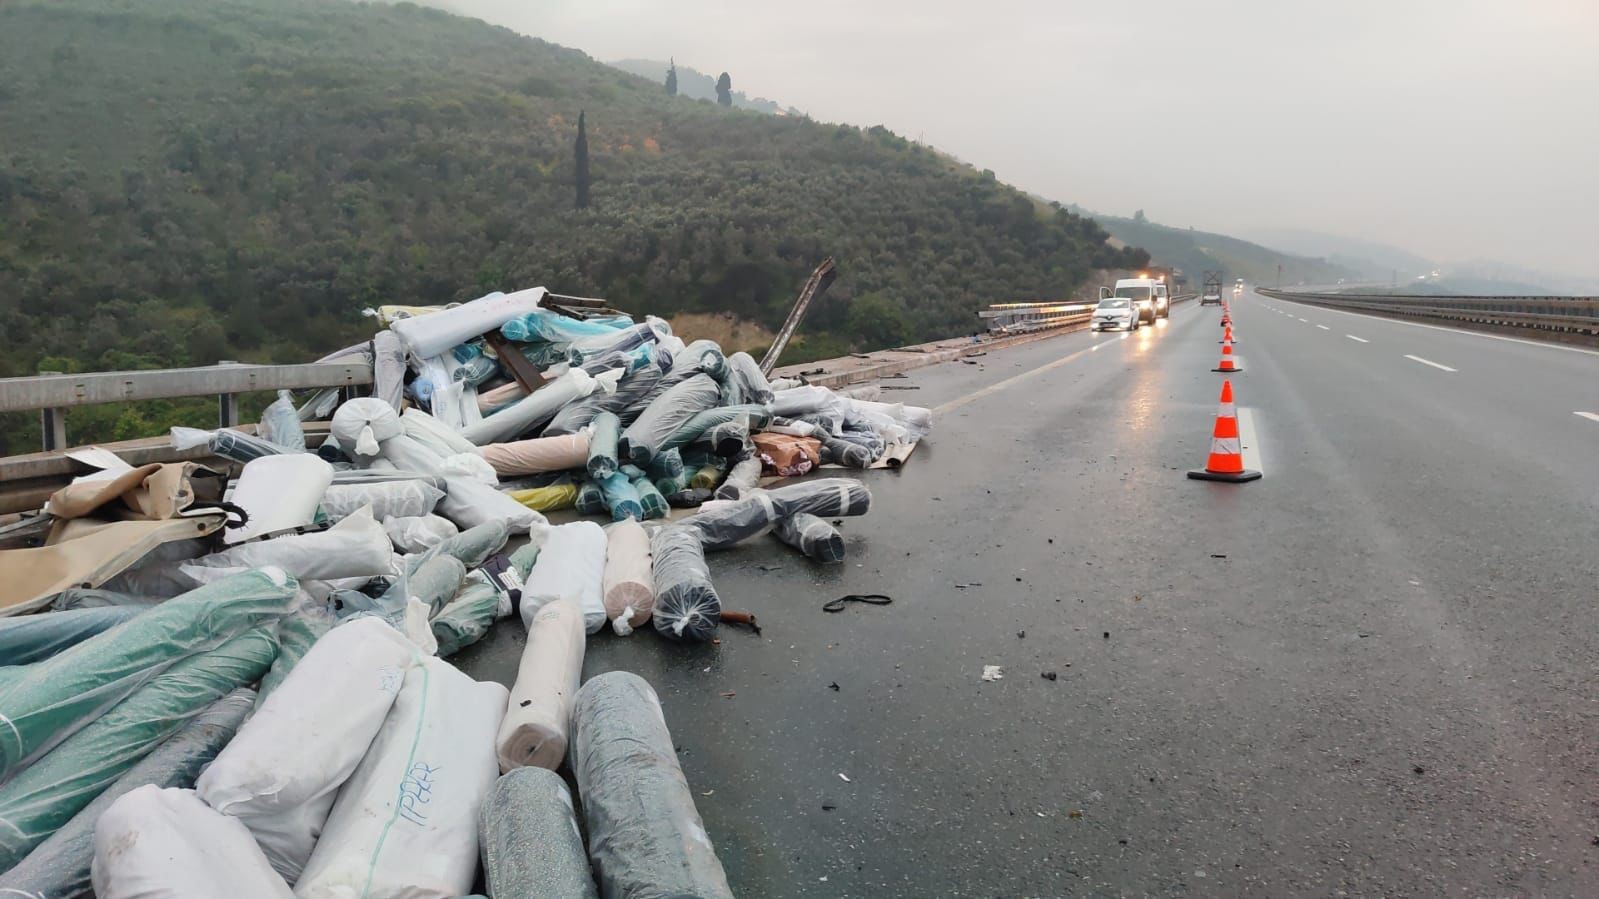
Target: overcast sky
x,y
1457,129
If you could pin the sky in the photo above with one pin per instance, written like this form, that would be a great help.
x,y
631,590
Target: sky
x,y
1455,129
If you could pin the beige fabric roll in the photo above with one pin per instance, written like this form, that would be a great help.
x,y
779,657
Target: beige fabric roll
x,y
539,717
629,586
538,455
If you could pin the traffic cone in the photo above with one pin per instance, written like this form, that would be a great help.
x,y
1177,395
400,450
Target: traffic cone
x,y
1226,462
1227,364
1228,336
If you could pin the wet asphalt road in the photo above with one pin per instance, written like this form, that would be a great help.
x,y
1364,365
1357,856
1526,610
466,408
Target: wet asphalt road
x,y
1370,673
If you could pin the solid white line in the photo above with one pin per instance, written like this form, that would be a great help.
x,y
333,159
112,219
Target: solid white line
x,y
1014,379
1324,327
1468,332
1591,416
1251,442
1360,339
1429,362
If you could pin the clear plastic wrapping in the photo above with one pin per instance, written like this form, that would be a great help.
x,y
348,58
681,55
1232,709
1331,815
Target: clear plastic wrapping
x,y
722,524
752,384
435,333
631,390
388,499
540,454
621,497
536,409
278,493
571,564
388,369
434,434
155,843
42,797
651,500
418,533
602,460
468,617
812,536
58,868
48,701
744,476
553,327
280,424
629,584
686,604
590,499
361,425
538,718
236,446
646,838
531,843
25,639
648,434
695,427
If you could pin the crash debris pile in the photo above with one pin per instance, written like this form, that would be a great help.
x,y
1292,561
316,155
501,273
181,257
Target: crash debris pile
x,y
231,679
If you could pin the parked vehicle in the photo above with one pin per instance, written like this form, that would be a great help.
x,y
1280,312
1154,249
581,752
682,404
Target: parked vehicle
x,y
1114,312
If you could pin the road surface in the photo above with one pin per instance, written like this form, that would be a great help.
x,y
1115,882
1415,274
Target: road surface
x,y
1372,672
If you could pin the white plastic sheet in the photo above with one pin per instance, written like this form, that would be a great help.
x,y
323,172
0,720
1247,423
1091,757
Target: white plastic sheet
x,y
432,334
571,564
539,716
434,434
156,843
388,499
629,586
279,492
417,533
405,824
355,547
537,408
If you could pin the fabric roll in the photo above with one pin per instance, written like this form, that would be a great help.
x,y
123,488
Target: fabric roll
x,y
539,454
687,606
530,839
539,717
629,584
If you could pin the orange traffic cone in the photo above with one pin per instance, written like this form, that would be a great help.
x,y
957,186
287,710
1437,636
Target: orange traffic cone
x,y
1227,363
1226,462
1227,337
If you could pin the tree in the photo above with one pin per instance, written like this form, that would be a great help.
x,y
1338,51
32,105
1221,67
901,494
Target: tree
x,y
582,151
1139,217
724,90
877,322
671,79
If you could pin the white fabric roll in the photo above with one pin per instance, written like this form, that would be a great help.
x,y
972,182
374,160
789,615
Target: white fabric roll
x,y
539,717
156,843
430,335
279,492
628,583
571,565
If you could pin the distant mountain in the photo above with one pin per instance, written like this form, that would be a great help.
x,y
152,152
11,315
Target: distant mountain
x,y
697,85
1198,251
1373,260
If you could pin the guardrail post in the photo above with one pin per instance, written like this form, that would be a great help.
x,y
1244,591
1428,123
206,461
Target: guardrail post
x,y
227,404
53,425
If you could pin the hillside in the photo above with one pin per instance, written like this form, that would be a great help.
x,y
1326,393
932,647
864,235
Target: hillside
x,y
697,85
1198,251
188,180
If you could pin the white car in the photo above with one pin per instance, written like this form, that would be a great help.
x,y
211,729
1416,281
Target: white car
x,y
1115,312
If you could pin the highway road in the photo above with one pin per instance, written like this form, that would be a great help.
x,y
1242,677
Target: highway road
x,y
1371,672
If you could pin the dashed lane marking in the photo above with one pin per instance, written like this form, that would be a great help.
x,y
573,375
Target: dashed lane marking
x,y
1324,327
1429,362
1541,344
1591,416
1357,339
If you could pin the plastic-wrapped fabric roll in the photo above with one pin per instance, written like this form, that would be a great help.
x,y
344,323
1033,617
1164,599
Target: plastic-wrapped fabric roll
x,y
30,638
539,454
629,585
646,837
469,615
297,633
690,498
621,497
613,342
669,486
530,839
523,560
729,439
590,499
419,533
355,547
648,433
917,420
812,536
472,546
405,823
538,719
723,524
278,493
602,461
533,411
695,427
744,476
429,335
388,369
846,453
155,843
801,401
46,702
388,499
497,398
42,797
362,425
241,447
686,604
570,565
434,582
631,471
650,499
630,391
752,383
476,370
547,499
434,434
90,598
702,356
553,327
667,464
710,475
58,868
280,424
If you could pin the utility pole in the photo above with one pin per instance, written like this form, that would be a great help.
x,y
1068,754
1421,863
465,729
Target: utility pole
x,y
1279,276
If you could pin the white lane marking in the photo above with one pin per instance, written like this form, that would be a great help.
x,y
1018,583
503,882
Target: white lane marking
x,y
1305,320
1249,440
1324,327
1357,339
1014,379
1429,362
1591,416
1469,333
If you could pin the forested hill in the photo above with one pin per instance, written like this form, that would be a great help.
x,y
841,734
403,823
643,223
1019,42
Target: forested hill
x,y
188,180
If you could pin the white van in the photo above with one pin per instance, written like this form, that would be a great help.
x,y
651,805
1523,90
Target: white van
x,y
1148,296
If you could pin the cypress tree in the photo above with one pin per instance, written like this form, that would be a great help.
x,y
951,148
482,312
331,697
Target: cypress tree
x,y
671,79
582,151
724,90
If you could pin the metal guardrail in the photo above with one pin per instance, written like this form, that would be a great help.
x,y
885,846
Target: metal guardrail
x,y
53,394
1560,317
